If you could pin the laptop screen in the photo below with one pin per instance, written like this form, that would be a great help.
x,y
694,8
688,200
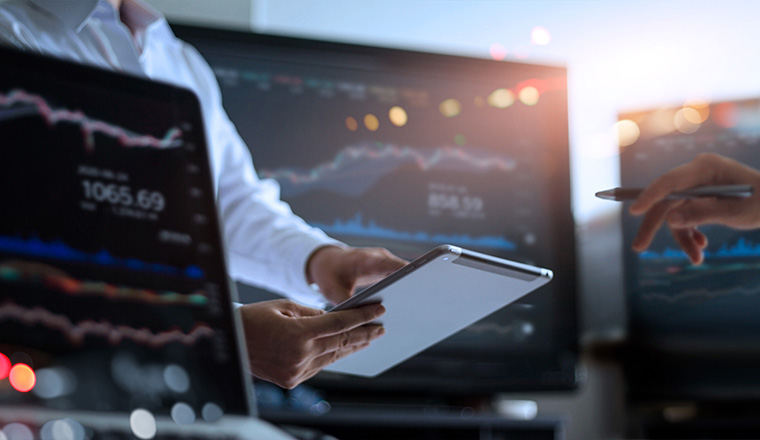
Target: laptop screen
x,y
113,289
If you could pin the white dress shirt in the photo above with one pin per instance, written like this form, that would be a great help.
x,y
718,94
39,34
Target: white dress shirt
x,y
267,244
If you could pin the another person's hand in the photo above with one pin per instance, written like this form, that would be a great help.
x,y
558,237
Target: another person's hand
x,y
684,216
338,271
289,343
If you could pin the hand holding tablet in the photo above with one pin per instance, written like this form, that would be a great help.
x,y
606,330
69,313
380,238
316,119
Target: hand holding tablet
x,y
433,297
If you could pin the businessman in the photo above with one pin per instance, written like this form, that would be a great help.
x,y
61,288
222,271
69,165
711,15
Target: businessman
x,y
268,245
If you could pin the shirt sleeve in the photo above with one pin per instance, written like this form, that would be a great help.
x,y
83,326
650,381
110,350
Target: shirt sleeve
x,y
267,244
14,34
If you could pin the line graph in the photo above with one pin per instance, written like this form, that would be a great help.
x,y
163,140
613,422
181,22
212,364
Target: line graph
x,y
75,333
710,281
356,168
59,250
21,103
742,248
53,278
357,227
701,294
495,328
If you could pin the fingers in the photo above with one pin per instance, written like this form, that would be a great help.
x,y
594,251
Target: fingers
x,y
337,271
684,216
700,171
692,246
367,265
333,348
380,261
335,323
345,341
294,310
699,212
326,359
700,239
652,222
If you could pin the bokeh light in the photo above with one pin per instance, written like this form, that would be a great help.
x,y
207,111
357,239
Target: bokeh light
x,y
501,98
5,366
63,429
211,412
540,36
182,414
498,51
143,424
398,116
691,115
371,122
684,120
17,431
627,132
352,124
726,114
529,95
22,377
54,382
529,239
659,122
176,378
701,107
450,108
460,140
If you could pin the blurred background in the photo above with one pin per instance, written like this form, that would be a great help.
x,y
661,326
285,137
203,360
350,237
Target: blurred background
x,y
620,55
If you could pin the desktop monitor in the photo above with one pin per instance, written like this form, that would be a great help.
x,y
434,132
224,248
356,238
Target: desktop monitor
x,y
408,150
694,332
113,289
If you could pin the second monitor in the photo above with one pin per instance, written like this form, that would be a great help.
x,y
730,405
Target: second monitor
x,y
408,150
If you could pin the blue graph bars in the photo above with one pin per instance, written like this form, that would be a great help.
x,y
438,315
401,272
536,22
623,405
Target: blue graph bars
x,y
59,250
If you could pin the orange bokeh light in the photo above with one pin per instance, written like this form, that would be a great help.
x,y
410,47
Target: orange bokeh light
x,y
22,378
351,124
726,114
371,122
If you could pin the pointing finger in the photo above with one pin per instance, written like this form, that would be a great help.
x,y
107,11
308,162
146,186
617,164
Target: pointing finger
x,y
652,222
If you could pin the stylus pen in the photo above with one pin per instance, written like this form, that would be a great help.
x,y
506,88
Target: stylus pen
x,y
623,194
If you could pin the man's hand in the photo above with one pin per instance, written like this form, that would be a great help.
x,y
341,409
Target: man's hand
x,y
338,271
289,343
684,216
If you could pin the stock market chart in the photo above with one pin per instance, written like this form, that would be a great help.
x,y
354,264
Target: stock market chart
x,y
700,308
112,280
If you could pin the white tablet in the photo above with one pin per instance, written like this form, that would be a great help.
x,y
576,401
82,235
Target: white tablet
x,y
433,297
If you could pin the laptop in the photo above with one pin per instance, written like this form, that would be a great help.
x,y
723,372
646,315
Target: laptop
x,y
116,313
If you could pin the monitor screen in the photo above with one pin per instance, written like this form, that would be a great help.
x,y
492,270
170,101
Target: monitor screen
x,y
407,151
113,288
693,328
